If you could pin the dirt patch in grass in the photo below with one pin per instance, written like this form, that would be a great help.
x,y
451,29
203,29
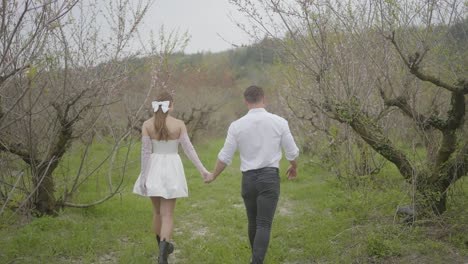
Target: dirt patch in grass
x,y
285,207
238,206
200,232
109,257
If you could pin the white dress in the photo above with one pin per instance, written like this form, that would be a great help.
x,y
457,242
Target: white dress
x,y
162,172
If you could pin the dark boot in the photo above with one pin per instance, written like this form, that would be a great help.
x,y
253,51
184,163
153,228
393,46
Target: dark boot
x,y
165,248
170,248
163,252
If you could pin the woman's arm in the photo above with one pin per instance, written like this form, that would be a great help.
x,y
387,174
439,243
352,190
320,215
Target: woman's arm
x,y
146,149
190,152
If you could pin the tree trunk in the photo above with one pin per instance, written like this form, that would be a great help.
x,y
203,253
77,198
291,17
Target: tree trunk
x,y
373,135
44,199
431,184
430,198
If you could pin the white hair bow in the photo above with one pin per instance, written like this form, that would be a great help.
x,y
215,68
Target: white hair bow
x,y
163,104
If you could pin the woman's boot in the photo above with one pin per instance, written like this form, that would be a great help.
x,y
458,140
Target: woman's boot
x,y
171,246
165,248
163,252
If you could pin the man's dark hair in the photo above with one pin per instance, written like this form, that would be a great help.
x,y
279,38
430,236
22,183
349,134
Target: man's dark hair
x,y
253,94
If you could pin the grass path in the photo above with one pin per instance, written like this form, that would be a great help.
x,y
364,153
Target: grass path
x,y
317,221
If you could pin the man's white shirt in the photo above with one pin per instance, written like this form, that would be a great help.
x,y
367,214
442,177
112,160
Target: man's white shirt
x,y
259,136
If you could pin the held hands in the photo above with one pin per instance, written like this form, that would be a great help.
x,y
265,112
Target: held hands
x,y
205,173
219,167
291,172
207,176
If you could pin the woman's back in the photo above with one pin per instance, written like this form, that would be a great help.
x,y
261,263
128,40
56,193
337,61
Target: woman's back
x,y
165,147
174,127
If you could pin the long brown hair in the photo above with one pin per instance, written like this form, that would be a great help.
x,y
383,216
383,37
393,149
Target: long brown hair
x,y
160,127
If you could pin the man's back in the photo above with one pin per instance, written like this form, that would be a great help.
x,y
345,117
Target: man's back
x,y
259,136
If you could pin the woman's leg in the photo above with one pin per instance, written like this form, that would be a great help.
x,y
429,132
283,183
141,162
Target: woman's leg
x,y
167,207
156,215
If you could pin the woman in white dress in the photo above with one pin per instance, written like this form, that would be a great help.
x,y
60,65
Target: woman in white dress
x,y
162,176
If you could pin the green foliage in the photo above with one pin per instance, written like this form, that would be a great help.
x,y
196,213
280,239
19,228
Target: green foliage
x,y
344,114
32,72
380,246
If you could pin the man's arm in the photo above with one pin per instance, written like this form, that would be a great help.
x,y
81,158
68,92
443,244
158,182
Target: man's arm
x,y
219,167
225,155
291,152
292,170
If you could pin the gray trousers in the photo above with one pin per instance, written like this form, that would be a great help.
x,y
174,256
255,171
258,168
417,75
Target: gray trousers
x,y
260,190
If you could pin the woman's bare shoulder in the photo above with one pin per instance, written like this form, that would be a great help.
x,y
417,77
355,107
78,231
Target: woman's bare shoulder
x,y
148,122
178,122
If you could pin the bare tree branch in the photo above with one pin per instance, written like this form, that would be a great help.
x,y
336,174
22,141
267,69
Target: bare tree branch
x,y
413,63
424,122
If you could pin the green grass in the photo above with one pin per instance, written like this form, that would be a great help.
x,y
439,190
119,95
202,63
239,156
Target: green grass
x,y
318,220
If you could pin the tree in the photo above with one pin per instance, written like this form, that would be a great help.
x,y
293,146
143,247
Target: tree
x,y
23,33
61,72
354,62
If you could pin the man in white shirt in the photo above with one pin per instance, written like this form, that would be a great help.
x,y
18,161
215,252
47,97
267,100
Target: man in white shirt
x,y
259,136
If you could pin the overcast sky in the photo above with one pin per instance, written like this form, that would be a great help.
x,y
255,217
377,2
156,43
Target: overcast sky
x,y
204,20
